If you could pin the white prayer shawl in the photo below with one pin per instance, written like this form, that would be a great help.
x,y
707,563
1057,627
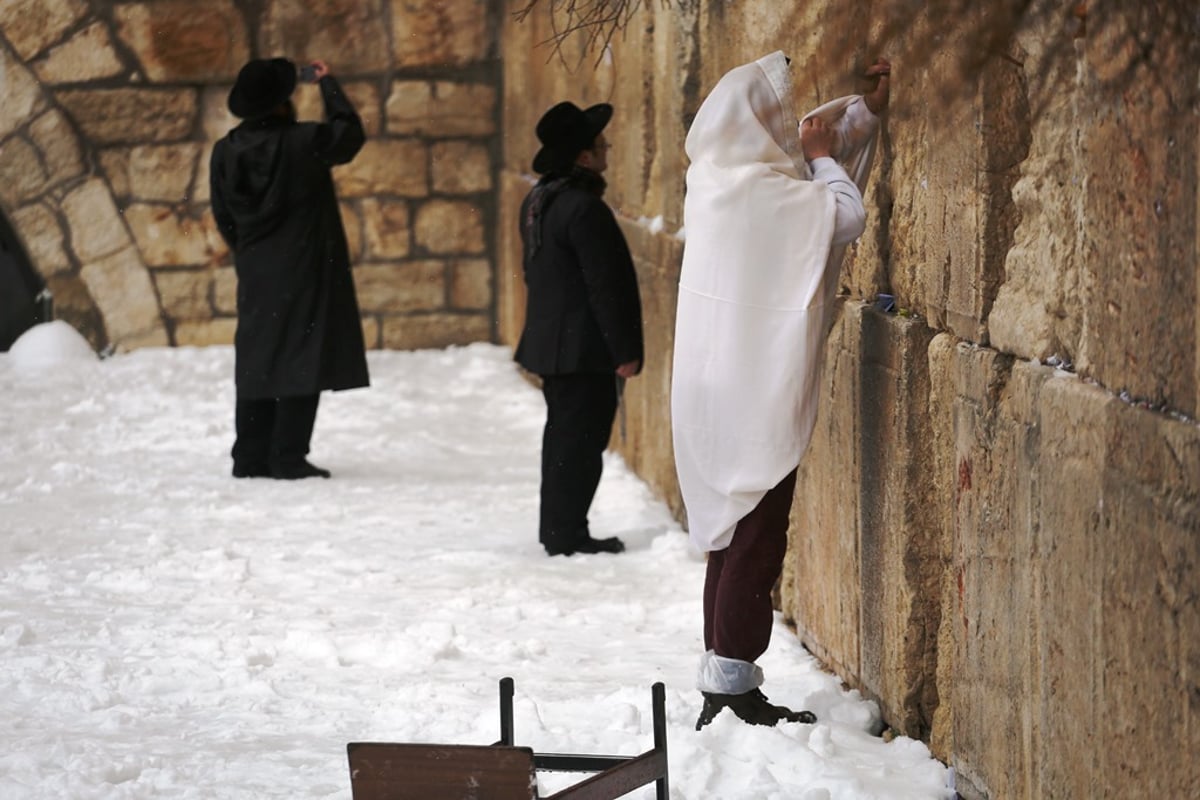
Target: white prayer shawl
x,y
756,293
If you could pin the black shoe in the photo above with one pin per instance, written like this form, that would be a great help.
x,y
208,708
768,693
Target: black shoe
x,y
297,470
752,708
586,545
251,470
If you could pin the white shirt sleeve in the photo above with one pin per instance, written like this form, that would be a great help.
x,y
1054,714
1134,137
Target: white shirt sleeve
x,y
851,218
853,128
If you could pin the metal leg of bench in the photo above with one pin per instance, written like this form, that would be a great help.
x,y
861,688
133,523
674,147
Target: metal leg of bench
x,y
658,694
506,712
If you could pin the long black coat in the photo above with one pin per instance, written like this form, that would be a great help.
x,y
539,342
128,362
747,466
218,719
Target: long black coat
x,y
274,202
583,311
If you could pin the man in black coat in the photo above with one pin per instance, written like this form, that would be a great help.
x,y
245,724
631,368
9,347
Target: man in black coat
x,y
583,319
274,202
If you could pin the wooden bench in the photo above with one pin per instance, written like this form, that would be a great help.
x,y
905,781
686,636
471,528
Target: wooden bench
x,y
502,771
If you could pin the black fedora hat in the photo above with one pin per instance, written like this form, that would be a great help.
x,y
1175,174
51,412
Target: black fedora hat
x,y
565,131
263,85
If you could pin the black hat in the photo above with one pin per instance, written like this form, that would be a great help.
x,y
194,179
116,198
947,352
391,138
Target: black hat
x,y
565,131
263,85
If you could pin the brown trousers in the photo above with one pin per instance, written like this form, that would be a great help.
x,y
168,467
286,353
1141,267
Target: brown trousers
x,y
738,613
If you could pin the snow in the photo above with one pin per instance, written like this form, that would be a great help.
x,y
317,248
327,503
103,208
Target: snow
x,y
169,631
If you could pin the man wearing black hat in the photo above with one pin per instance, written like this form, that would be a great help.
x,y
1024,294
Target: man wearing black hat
x,y
583,319
298,323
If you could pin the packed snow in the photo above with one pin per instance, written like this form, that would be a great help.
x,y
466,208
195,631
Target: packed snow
x,y
168,631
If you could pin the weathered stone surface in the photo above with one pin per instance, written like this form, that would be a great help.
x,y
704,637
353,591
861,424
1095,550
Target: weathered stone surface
x,y
125,297
386,229
215,117
421,331
33,25
397,167
184,294
132,116
183,41
158,173
167,238
21,92
410,286
42,237
441,108
441,34
348,34
95,227
225,291
371,333
365,97
22,176
461,167
471,284
449,227
59,147
86,56
352,224
216,331
74,305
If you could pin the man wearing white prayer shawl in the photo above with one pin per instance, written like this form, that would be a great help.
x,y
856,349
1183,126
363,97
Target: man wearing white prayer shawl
x,y
770,208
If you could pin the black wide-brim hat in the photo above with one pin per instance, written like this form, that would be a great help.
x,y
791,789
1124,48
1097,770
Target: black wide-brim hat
x,y
263,85
565,131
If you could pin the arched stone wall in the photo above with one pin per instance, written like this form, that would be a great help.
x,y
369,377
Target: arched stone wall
x,y
111,110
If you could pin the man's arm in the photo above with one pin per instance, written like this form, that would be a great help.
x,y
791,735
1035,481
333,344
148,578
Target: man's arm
x,y
220,211
341,135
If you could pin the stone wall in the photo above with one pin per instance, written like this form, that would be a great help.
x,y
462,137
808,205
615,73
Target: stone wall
x,y
996,531
111,109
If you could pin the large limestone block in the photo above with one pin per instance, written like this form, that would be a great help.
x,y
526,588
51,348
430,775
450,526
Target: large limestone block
x,y
386,227
365,97
461,167
95,226
225,291
449,227
153,173
215,117
993,519
185,293
448,34
386,167
423,331
33,25
510,275
125,297
441,108
88,55
59,147
42,236
470,284
21,92
410,286
132,116
205,333
184,41
22,175
900,534
166,237
350,35
1148,571
821,589
74,304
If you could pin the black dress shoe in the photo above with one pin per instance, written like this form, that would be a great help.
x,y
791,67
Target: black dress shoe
x,y
293,471
251,470
585,545
751,707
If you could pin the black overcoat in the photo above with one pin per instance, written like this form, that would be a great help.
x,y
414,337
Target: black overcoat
x,y
274,202
583,312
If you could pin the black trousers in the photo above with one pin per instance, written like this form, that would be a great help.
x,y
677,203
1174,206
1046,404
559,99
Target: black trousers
x,y
273,431
580,409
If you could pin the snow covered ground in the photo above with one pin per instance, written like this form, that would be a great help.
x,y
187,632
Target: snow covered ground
x,y
167,631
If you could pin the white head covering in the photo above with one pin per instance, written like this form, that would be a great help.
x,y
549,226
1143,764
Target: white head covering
x,y
755,290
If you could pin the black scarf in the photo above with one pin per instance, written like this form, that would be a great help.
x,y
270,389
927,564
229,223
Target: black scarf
x,y
549,187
